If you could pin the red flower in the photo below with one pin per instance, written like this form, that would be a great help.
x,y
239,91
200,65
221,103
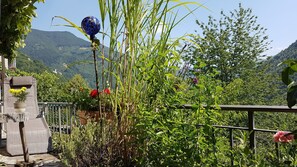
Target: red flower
x,y
106,91
94,93
282,137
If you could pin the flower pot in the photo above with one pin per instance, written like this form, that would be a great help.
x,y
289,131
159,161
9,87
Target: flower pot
x,y
85,116
20,107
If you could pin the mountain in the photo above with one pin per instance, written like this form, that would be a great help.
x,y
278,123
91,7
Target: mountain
x,y
286,54
25,63
67,54
62,52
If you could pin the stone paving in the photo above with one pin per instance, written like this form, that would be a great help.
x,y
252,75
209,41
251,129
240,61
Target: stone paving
x,y
36,160
45,160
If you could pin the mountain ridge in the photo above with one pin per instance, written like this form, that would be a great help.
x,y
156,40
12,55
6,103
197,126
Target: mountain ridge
x,y
286,54
62,52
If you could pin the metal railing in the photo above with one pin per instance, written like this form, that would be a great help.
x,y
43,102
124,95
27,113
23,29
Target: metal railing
x,y
250,109
60,116
250,127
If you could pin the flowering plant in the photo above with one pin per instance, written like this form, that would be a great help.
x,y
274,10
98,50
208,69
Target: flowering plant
x,y
20,94
283,137
288,139
87,99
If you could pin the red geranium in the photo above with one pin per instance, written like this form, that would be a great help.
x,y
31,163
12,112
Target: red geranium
x,y
94,93
106,91
283,137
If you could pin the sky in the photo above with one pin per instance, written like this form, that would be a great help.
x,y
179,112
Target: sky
x,y
279,17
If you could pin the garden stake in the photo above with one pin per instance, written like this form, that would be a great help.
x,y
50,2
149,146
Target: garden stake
x,y
91,26
96,73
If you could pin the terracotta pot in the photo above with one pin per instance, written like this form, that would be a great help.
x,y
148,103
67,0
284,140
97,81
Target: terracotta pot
x,y
109,116
85,116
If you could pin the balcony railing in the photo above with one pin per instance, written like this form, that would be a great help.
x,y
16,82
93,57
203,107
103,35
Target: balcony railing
x,y
61,118
250,109
250,127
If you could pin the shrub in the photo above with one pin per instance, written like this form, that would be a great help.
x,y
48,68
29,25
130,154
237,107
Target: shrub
x,y
86,147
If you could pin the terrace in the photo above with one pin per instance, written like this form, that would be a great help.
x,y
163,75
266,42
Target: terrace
x,y
141,76
62,117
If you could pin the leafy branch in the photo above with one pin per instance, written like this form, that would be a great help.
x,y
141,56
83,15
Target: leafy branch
x,y
15,24
292,87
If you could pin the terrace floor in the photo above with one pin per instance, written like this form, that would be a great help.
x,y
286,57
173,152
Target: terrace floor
x,y
46,160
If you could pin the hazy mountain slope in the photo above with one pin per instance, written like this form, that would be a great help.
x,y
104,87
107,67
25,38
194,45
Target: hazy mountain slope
x,y
54,48
25,63
286,54
67,54
62,52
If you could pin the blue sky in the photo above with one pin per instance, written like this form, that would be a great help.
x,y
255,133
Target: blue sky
x,y
279,17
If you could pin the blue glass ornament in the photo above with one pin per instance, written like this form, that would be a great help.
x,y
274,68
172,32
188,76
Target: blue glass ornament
x,y
90,25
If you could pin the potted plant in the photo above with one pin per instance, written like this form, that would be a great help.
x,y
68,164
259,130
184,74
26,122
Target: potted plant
x,y
87,104
21,96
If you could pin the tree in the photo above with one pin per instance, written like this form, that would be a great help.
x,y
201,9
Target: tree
x,y
49,87
229,46
15,24
73,86
258,87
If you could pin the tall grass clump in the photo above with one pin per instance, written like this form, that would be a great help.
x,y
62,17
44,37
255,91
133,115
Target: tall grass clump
x,y
141,64
140,68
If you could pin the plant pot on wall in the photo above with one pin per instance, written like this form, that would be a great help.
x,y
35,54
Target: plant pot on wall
x,y
19,106
85,116
93,116
107,113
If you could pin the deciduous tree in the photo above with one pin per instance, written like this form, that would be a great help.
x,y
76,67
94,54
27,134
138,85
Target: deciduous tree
x,y
229,46
15,24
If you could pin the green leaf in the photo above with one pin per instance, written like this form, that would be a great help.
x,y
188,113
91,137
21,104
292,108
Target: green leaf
x,y
294,67
285,75
159,133
292,96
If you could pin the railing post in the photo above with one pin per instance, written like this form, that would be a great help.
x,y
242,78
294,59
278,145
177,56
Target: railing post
x,y
45,109
231,145
60,120
251,126
277,151
73,115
